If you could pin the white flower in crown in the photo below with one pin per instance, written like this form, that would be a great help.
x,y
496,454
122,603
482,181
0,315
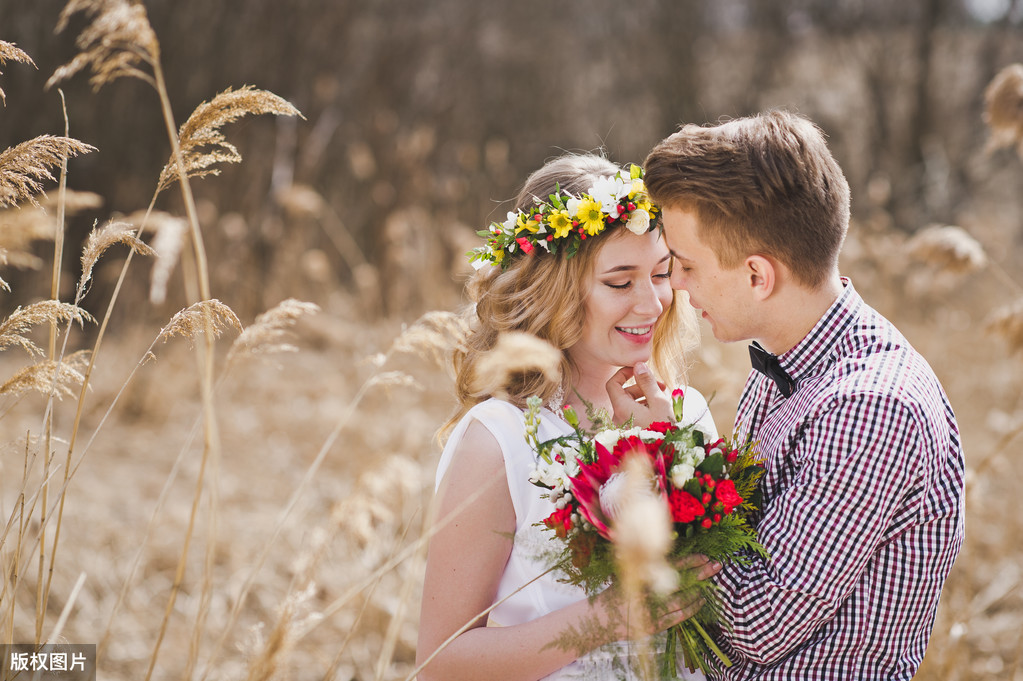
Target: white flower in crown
x,y
609,191
639,222
509,224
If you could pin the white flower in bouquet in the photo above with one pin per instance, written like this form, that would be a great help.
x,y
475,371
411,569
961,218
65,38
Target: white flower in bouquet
x,y
608,438
681,473
612,495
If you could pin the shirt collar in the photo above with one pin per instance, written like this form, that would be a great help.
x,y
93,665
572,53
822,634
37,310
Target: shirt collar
x,y
807,355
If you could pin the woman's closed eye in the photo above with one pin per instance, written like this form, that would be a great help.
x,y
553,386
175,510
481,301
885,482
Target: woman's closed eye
x,y
624,285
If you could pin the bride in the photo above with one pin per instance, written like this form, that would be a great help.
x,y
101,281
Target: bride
x,y
593,281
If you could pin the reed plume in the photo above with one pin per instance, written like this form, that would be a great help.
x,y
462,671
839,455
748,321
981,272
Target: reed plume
x,y
434,335
14,328
515,353
643,533
102,238
24,167
1007,322
171,235
49,376
949,248
21,228
1003,108
9,52
206,316
268,334
118,42
203,144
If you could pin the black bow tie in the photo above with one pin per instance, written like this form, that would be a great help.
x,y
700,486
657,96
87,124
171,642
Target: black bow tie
x,y
769,366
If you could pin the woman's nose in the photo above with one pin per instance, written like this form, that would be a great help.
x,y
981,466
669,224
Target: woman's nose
x,y
648,302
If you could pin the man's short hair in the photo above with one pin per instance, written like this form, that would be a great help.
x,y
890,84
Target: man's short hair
x,y
766,184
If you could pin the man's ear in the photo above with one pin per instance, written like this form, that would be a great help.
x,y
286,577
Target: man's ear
x,y
761,275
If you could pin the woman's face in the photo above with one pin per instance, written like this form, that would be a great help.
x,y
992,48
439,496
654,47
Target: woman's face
x,y
628,292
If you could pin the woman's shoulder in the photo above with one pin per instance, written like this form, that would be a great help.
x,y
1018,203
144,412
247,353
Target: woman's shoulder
x,y
496,415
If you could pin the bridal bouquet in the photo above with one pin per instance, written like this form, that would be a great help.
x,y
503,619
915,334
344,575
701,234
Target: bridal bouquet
x,y
707,489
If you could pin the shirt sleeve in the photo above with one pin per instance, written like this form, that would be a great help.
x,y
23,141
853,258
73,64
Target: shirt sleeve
x,y
850,468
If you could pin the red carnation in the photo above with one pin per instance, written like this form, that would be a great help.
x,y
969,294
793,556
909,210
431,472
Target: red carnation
x,y
560,521
661,426
684,507
524,243
727,495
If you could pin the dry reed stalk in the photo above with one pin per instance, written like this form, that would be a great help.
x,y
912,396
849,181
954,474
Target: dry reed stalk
x,y
390,642
299,200
405,344
24,167
468,625
1007,322
515,353
117,43
201,141
949,248
1003,108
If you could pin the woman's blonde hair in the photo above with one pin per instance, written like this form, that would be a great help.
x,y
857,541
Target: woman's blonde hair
x,y
544,295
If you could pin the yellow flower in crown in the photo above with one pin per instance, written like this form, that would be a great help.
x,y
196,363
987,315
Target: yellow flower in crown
x,y
639,196
560,222
590,215
528,223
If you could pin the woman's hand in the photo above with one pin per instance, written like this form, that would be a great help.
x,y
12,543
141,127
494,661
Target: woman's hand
x,y
632,621
646,401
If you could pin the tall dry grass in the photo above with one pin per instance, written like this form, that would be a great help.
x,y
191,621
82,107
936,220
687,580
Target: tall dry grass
x,y
203,514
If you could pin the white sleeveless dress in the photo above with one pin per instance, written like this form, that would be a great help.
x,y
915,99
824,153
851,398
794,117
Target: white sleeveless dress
x,y
506,423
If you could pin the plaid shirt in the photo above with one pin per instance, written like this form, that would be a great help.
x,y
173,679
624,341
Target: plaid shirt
x,y
862,508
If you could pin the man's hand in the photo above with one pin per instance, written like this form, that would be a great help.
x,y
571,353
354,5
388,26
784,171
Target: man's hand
x,y
646,401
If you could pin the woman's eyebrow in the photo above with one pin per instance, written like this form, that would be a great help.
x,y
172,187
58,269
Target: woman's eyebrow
x,y
629,268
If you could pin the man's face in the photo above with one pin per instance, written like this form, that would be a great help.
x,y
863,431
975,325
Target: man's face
x,y
722,295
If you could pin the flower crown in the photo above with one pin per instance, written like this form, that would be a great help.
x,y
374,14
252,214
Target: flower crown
x,y
565,221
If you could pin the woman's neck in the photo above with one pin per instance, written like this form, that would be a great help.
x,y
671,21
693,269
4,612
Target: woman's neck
x,y
590,387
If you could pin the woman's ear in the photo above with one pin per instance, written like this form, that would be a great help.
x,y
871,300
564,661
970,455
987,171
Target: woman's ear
x,y
761,275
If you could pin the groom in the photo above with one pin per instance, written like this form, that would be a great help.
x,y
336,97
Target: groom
x,y
862,510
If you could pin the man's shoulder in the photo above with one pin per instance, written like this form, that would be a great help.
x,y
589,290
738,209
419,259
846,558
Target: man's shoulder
x,y
874,361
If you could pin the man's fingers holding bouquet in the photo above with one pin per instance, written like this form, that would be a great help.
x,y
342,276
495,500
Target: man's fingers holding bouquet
x,y
684,604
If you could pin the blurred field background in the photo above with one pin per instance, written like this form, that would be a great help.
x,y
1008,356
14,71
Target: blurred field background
x,y
302,556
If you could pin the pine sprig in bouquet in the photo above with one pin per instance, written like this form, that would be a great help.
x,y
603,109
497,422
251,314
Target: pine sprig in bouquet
x,y
709,490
